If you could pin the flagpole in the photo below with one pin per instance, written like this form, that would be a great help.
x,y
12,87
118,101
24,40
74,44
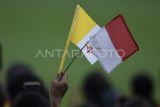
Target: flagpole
x,y
74,58
68,40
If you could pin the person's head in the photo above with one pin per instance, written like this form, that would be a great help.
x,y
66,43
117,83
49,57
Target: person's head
x,y
17,76
2,97
137,102
30,99
122,100
142,85
96,88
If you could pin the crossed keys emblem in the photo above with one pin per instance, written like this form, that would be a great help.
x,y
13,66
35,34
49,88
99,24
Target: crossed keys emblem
x,y
89,49
96,47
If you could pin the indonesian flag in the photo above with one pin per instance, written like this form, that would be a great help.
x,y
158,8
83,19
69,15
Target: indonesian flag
x,y
113,44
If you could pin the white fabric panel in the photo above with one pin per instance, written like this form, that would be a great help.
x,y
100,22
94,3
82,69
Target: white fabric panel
x,y
105,51
90,57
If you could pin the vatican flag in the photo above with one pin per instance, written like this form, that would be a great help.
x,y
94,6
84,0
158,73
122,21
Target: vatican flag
x,y
83,27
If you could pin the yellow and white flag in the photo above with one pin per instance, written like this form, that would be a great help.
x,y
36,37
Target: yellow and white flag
x,y
83,27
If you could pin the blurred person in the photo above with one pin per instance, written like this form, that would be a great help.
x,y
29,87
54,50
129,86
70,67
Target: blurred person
x,y
143,86
98,92
137,102
1,58
19,77
122,100
2,97
30,99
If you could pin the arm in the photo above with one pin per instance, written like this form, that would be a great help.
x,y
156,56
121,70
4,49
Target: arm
x,y
58,89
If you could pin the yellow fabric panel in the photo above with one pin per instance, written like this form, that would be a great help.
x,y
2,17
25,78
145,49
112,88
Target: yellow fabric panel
x,y
81,25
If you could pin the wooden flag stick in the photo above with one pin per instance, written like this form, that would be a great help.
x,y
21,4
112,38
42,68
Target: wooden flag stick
x,y
68,40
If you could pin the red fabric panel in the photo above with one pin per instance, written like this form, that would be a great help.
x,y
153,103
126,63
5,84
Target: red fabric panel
x,y
121,37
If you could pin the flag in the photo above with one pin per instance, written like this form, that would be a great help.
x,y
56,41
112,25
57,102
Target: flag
x,y
83,27
113,44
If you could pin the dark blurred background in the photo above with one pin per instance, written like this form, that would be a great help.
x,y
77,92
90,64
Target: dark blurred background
x,y
27,26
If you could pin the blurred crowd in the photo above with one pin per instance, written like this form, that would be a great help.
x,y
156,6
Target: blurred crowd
x,y
23,88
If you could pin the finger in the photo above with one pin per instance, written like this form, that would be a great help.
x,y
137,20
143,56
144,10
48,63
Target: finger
x,y
54,80
59,77
64,78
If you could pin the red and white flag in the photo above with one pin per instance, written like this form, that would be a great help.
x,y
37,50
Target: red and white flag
x,y
113,44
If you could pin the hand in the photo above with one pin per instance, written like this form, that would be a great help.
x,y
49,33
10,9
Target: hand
x,y
58,89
